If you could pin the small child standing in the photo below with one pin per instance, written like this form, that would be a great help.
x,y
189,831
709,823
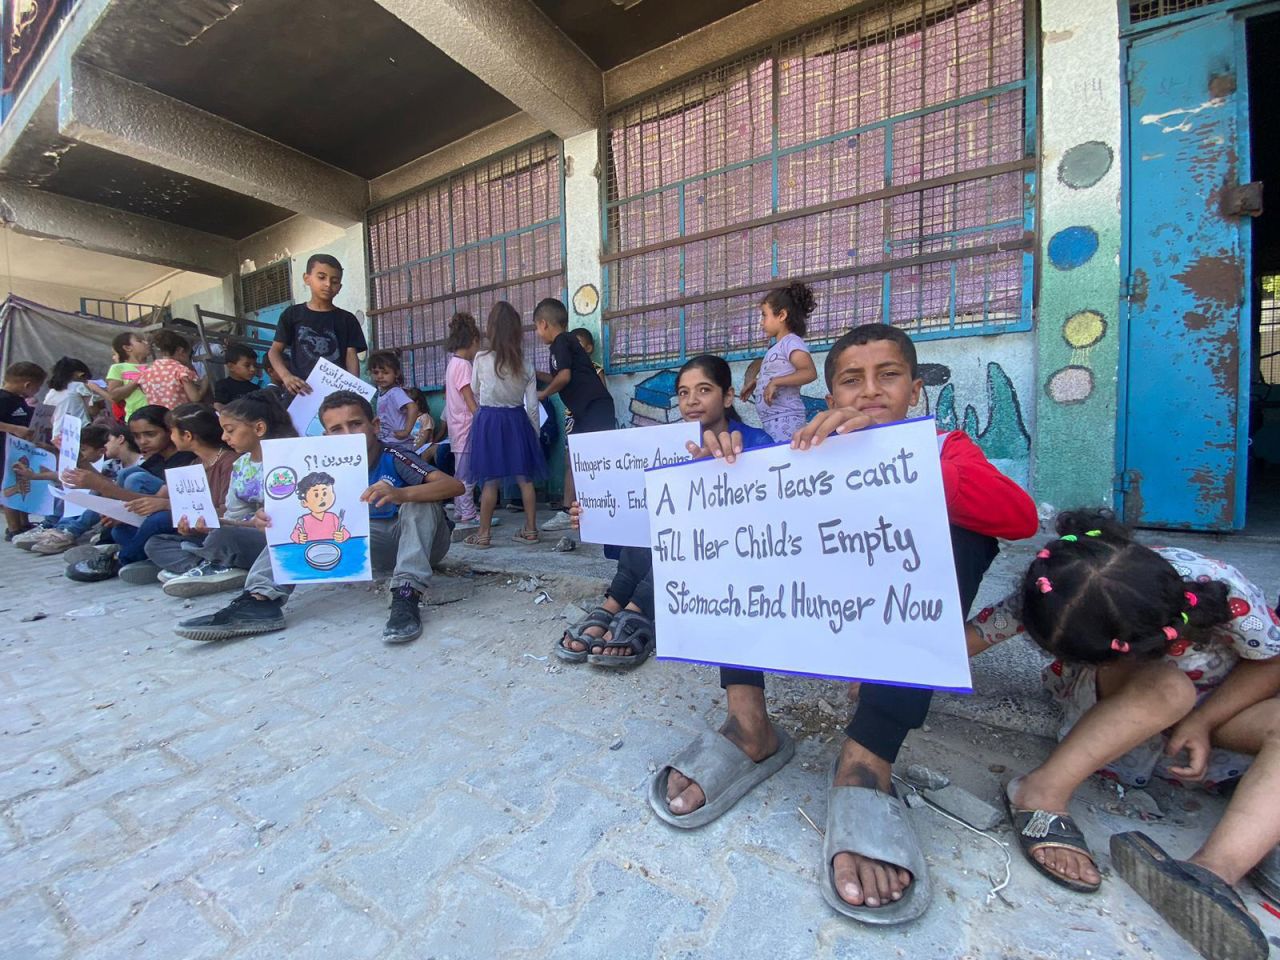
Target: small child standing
x,y
423,435
460,407
242,366
397,411
22,381
131,351
584,337
170,382
787,366
69,393
315,329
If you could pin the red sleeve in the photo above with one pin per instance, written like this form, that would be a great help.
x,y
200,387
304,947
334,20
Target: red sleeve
x,y
981,498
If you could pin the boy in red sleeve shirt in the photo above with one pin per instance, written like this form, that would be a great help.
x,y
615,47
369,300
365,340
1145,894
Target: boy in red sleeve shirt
x,y
873,378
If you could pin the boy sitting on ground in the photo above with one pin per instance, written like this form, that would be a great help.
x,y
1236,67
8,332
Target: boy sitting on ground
x,y
407,532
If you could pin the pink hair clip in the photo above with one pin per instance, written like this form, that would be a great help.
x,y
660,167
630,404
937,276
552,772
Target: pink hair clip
x,y
1120,646
1192,599
1042,555
1044,584
1170,634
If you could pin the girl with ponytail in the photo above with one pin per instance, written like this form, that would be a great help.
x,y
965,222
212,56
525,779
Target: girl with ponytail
x,y
787,366
1167,664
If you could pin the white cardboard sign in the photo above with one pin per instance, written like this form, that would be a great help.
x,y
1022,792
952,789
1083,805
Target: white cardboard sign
x,y
104,506
608,474
69,458
830,562
319,525
189,496
29,496
326,378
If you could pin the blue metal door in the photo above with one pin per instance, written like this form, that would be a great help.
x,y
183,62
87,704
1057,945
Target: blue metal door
x,y
1185,407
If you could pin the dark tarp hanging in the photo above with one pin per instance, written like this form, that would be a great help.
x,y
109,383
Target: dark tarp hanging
x,y
32,331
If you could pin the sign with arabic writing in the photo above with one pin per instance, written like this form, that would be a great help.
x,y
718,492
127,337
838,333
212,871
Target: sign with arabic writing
x,y
319,525
326,378
189,496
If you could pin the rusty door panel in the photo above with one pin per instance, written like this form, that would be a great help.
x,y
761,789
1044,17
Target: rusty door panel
x,y
1187,349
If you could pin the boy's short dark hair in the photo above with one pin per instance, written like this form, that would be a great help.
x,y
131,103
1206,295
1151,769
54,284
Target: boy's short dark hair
x,y
94,435
552,311
582,333
25,370
312,480
236,352
345,398
169,342
872,333
327,259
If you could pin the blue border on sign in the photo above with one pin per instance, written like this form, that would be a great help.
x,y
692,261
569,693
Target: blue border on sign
x,y
814,676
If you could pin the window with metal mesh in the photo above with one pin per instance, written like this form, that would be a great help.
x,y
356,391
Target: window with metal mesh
x,y
266,287
886,158
491,232
1142,10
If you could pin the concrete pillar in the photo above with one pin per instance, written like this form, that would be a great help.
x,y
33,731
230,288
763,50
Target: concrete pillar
x,y
1078,329
516,50
52,216
582,206
115,114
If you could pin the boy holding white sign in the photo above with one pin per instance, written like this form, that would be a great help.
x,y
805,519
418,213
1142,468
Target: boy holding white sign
x,y
407,529
872,867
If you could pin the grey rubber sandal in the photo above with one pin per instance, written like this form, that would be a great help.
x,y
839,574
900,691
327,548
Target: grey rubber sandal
x,y
1195,902
629,629
1266,876
599,617
724,773
874,825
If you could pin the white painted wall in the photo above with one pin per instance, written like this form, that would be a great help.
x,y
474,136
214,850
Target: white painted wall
x,y
57,295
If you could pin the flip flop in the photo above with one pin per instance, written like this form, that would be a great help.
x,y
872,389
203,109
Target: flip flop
x,y
877,826
724,773
599,617
1195,902
629,629
524,536
1040,829
479,542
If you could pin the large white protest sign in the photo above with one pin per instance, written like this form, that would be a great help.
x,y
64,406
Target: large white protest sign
x,y
319,525
104,506
19,491
832,562
326,378
188,489
608,474
69,457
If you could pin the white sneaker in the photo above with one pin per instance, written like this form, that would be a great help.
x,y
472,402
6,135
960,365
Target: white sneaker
x,y
54,541
205,579
25,541
561,521
164,576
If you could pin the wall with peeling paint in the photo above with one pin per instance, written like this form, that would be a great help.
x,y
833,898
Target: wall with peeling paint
x,y
1077,335
582,231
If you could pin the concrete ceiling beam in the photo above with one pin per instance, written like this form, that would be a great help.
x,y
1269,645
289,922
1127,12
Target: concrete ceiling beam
x,y
107,111
51,216
516,50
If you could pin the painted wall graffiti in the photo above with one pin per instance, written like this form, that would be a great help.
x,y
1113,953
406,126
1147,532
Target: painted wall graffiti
x,y
967,389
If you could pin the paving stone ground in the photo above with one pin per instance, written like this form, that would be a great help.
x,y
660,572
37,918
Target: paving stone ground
x,y
313,793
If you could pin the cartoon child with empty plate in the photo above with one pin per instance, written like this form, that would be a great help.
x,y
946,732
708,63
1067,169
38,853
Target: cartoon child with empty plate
x,y
315,491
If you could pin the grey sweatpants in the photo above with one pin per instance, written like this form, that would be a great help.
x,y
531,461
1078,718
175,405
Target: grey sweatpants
x,y
226,546
406,547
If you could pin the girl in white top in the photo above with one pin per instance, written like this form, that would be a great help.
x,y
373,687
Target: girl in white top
x,y
504,437
70,393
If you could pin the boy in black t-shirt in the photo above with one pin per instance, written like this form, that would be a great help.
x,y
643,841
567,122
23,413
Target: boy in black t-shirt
x,y
588,405
317,329
22,381
242,366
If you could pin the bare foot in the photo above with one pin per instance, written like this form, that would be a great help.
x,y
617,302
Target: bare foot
x,y
859,880
577,646
1071,864
753,736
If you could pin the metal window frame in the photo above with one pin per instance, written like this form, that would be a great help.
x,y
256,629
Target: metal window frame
x,y
283,265
452,252
1028,244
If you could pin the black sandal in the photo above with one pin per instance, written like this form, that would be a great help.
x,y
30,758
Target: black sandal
x,y
632,630
1201,906
599,617
1040,829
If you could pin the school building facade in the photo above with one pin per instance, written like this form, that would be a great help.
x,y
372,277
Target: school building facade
x,y
1056,198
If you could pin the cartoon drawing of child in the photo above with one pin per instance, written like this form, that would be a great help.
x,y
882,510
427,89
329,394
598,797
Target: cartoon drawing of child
x,y
22,476
315,491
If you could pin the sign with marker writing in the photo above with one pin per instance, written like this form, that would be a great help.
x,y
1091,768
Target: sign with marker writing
x,y
326,378
319,525
608,474
189,496
18,490
69,458
834,561
103,506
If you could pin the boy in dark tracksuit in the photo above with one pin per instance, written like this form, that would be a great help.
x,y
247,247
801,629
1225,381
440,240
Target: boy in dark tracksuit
x,y
872,377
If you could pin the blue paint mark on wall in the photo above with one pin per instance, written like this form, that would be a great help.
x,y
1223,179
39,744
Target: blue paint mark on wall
x,y
1073,247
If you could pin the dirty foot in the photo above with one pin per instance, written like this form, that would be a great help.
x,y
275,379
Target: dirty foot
x,y
756,739
577,646
1024,794
860,881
